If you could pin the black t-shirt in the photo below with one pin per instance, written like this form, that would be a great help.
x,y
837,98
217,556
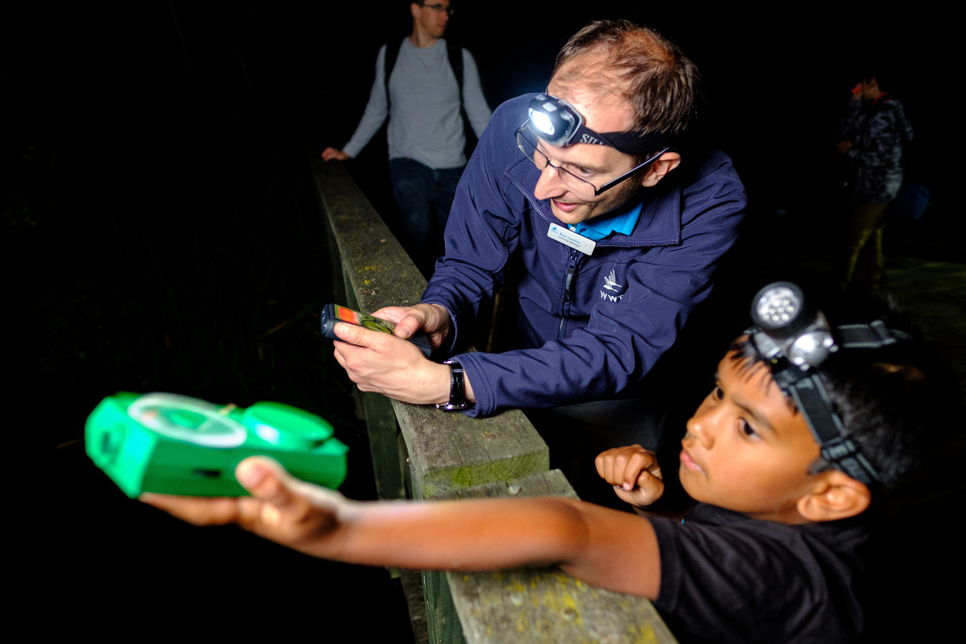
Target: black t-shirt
x,y
726,577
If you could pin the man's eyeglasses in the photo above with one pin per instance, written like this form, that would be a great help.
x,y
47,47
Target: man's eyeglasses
x,y
581,187
439,8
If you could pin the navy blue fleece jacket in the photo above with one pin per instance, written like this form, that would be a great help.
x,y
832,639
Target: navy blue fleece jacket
x,y
590,327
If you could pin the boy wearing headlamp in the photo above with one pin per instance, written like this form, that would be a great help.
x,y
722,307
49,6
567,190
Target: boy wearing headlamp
x,y
768,554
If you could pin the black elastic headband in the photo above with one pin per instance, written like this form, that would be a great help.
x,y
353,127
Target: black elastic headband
x,y
558,123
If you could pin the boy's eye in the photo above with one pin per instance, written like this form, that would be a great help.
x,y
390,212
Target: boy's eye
x,y
747,430
717,393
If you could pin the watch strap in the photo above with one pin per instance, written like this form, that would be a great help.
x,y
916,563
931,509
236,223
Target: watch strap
x,y
457,388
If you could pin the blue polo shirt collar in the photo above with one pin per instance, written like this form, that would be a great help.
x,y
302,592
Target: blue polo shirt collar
x,y
623,220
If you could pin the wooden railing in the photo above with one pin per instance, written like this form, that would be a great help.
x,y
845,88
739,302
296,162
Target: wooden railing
x,y
437,455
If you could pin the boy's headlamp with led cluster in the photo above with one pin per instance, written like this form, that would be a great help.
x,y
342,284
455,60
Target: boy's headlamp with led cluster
x,y
559,124
795,340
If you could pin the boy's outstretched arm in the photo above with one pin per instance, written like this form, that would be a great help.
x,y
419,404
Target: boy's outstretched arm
x,y
604,547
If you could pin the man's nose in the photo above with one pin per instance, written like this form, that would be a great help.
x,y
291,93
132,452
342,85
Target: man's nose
x,y
549,184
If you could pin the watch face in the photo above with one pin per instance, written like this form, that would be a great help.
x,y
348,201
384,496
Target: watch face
x,y
187,419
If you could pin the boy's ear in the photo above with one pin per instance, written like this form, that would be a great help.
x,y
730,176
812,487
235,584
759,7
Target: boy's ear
x,y
835,495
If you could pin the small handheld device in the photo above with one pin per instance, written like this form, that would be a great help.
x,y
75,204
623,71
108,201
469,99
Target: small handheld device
x,y
174,444
333,313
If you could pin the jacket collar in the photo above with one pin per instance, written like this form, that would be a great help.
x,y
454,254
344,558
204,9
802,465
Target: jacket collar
x,y
660,221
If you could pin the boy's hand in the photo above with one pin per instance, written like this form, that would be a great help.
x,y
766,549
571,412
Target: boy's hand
x,y
634,473
296,514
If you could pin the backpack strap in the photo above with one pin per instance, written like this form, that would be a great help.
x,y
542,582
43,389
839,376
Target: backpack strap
x,y
455,54
391,55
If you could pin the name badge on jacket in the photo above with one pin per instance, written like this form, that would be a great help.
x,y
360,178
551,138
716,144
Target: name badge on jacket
x,y
568,237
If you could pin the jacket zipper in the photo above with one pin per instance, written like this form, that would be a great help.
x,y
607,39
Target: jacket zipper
x,y
568,283
572,265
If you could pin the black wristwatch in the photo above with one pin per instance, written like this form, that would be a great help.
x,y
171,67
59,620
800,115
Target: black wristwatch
x,y
457,389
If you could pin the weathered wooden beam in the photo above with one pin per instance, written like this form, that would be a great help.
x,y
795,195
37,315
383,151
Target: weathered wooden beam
x,y
376,268
451,452
364,254
545,604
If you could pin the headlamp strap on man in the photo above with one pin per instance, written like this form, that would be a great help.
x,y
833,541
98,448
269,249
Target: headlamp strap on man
x,y
559,124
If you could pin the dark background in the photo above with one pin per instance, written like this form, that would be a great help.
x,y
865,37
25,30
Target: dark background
x,y
160,233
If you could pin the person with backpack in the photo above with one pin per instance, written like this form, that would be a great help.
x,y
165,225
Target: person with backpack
x,y
425,86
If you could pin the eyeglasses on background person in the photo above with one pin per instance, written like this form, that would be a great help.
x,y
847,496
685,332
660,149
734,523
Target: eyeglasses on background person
x,y
439,8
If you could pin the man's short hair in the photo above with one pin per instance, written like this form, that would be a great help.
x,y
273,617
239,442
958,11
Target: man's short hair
x,y
648,70
897,402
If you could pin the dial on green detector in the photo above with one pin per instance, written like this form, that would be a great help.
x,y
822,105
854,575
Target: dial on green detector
x,y
173,444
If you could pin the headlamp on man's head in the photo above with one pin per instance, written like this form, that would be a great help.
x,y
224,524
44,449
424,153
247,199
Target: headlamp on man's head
x,y
555,120
559,124
795,339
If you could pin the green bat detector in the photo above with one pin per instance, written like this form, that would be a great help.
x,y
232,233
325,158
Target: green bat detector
x,y
174,444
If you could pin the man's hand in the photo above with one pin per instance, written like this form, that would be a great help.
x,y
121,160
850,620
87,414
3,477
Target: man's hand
x,y
329,154
634,473
296,514
431,318
390,366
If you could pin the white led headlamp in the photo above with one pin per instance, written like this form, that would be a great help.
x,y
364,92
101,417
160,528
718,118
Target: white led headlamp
x,y
795,340
559,124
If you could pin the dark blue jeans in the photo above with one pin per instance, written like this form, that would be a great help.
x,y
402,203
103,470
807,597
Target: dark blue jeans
x,y
425,196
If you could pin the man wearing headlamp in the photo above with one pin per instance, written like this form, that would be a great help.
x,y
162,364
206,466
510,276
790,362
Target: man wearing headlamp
x,y
618,233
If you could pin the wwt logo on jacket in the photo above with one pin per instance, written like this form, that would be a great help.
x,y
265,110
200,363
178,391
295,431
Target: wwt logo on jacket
x,y
612,291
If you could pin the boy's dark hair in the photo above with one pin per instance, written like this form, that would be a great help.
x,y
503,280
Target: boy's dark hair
x,y
897,402
652,73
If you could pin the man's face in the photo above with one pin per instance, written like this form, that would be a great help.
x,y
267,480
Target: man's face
x,y
432,17
747,449
596,164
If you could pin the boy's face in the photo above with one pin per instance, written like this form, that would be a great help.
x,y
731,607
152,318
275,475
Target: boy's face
x,y
747,449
